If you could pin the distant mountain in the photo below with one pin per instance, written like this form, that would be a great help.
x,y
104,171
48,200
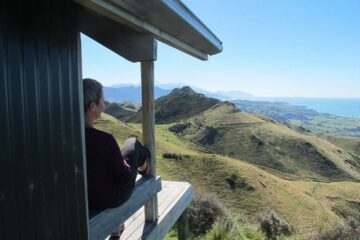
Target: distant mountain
x,y
211,94
170,86
222,95
124,85
130,93
232,95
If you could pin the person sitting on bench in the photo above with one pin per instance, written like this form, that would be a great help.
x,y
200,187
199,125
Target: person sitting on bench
x,y
111,173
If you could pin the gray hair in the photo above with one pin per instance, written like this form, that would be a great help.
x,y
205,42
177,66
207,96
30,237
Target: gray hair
x,y
92,92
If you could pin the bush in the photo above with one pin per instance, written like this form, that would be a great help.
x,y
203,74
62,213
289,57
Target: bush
x,y
349,231
220,231
175,156
203,211
235,181
272,225
230,229
176,128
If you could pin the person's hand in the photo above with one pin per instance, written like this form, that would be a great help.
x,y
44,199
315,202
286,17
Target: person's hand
x,y
142,167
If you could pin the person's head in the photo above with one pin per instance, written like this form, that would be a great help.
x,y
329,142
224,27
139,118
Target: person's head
x,y
93,98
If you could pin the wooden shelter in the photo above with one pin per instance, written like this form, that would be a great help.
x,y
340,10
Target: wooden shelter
x,y
43,162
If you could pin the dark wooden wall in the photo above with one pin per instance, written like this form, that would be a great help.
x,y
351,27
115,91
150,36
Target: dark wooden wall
x,y
42,189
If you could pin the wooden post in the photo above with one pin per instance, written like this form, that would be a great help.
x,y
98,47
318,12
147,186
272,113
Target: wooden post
x,y
183,226
148,123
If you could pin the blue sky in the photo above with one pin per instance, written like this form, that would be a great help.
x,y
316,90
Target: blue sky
x,y
278,48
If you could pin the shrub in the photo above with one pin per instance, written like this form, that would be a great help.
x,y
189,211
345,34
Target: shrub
x,y
176,128
349,231
175,156
203,211
235,181
230,229
220,231
272,225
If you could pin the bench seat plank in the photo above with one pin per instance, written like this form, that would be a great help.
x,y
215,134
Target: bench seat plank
x,y
173,200
101,225
135,222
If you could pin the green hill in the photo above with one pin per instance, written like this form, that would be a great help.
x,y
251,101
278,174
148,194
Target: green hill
x,y
276,147
178,105
247,189
181,104
350,144
125,112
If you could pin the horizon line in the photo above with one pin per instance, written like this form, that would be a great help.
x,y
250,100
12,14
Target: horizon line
x,y
254,96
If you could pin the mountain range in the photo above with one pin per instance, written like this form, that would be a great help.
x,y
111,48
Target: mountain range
x,y
132,92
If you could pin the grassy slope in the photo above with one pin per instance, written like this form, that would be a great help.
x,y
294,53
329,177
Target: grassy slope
x,y
263,142
305,205
350,144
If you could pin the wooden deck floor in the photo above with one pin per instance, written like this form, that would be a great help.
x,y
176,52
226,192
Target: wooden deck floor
x,y
173,200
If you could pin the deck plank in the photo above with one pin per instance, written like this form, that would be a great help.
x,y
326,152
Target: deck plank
x,y
173,200
137,219
169,193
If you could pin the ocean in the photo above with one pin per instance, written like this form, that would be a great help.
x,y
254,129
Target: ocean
x,y
337,106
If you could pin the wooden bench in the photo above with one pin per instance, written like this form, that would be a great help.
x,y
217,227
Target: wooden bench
x,y
173,198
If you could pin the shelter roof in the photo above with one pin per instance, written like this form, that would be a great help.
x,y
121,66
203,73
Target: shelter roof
x,y
168,21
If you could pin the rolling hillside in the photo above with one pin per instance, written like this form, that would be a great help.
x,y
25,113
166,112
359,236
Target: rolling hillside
x,y
220,127
124,112
248,189
253,163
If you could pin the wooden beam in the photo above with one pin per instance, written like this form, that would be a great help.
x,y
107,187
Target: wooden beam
x,y
148,116
132,45
183,226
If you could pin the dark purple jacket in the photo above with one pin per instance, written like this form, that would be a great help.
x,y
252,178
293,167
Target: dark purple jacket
x,y
109,179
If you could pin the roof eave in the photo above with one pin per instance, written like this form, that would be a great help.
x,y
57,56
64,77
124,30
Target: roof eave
x,y
125,17
187,15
